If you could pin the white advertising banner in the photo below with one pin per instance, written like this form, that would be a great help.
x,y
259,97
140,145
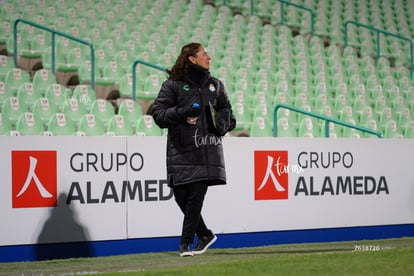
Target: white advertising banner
x,y
62,189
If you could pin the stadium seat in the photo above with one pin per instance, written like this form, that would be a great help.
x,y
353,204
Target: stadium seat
x,y
403,116
259,128
112,72
47,59
371,124
130,110
85,95
6,64
286,128
408,130
44,109
90,126
37,45
15,78
5,125
29,124
308,128
243,117
5,93
152,86
12,109
58,125
57,95
119,126
42,79
73,110
27,95
125,86
146,127
103,110
391,130
77,56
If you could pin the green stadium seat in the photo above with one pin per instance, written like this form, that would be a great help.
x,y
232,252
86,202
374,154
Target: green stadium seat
x,y
112,72
103,110
409,130
37,45
6,64
146,127
286,127
125,86
130,110
119,126
77,56
5,93
243,117
391,130
403,116
58,125
29,124
6,30
73,110
85,95
12,109
5,125
42,79
308,128
259,128
43,109
90,126
64,72
57,95
264,109
27,95
15,78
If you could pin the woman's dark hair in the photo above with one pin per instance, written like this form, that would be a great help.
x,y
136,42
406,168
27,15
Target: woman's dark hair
x,y
181,66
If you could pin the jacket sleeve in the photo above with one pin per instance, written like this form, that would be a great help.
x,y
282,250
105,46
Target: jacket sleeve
x,y
225,120
165,111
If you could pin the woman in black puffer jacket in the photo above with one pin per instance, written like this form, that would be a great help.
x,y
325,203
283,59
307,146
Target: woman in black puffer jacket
x,y
195,108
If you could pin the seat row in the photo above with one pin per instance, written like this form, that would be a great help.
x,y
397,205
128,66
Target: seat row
x,y
88,124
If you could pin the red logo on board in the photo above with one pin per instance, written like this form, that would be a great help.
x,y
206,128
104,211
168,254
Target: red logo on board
x,y
34,179
270,175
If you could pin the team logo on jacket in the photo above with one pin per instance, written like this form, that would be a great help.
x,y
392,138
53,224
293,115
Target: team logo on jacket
x,y
270,175
212,88
34,179
186,87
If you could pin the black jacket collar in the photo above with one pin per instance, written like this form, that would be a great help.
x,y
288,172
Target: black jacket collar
x,y
197,75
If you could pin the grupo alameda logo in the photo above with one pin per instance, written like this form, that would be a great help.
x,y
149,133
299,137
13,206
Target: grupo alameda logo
x,y
34,179
270,175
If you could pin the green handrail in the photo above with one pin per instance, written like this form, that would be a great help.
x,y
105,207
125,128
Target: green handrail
x,y
283,3
282,9
378,31
54,32
134,74
321,117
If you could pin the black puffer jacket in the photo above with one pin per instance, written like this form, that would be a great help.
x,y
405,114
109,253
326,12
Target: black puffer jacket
x,y
194,152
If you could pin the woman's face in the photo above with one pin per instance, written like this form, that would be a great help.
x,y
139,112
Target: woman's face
x,y
201,59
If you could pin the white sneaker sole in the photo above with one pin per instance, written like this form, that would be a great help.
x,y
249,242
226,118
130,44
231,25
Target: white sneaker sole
x,y
206,247
187,254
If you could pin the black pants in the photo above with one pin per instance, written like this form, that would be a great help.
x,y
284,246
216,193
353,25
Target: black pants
x,y
190,198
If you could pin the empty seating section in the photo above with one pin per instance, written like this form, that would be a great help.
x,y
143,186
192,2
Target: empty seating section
x,y
261,62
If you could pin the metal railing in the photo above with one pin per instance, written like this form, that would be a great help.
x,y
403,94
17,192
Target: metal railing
x,y
378,31
53,52
134,74
321,117
282,16
282,4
